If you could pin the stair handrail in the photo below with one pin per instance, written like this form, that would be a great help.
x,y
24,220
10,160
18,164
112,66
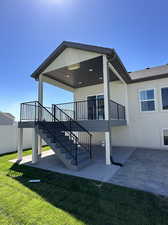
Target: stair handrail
x,y
61,143
66,129
36,105
79,125
70,118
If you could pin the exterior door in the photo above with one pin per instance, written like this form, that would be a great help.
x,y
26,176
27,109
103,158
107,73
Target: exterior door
x,y
100,107
91,102
95,107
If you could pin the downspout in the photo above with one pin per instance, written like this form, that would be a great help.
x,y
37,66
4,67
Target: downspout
x,y
115,163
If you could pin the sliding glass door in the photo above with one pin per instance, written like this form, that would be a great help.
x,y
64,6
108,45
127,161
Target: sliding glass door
x,y
95,107
91,102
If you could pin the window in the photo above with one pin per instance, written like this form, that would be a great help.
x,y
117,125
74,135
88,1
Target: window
x,y
147,100
164,97
165,137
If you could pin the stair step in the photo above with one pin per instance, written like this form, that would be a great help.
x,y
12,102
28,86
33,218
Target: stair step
x,y
58,147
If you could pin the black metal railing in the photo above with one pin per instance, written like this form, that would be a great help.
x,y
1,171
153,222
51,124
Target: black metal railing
x,y
117,111
71,124
77,110
91,110
34,111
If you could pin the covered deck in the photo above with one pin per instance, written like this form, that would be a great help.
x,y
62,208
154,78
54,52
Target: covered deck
x,y
74,67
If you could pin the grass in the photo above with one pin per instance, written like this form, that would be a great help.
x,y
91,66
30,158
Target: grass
x,y
67,200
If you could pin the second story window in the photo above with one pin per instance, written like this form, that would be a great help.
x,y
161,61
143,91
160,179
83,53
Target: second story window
x,y
147,100
164,98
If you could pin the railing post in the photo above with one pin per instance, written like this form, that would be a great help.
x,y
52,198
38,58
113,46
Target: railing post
x,y
117,111
76,107
90,146
76,153
73,110
70,128
35,111
20,112
60,115
54,112
124,113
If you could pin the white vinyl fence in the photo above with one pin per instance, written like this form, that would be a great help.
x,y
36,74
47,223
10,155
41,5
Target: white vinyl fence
x,y
9,138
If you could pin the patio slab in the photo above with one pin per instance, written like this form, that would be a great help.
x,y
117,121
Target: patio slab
x,y
97,170
146,170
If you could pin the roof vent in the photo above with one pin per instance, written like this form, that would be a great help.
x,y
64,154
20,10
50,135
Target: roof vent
x,y
147,68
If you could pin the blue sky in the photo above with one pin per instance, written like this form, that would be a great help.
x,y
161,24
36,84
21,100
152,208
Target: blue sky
x,y
32,29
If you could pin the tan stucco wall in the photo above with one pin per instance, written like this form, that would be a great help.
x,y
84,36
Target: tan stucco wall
x,y
144,128
117,92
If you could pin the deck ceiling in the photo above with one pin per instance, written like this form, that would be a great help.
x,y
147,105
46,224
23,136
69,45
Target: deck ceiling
x,y
89,73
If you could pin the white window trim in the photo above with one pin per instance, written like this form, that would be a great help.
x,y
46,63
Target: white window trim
x,y
162,137
155,100
161,103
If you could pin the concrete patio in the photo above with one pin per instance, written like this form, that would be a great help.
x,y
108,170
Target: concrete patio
x,y
144,169
96,170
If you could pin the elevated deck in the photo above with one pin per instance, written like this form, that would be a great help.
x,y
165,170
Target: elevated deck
x,y
90,125
83,112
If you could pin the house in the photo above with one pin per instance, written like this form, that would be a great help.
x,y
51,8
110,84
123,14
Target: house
x,y
6,118
111,107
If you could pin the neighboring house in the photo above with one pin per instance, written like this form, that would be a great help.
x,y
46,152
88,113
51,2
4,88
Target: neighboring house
x,y
117,107
6,118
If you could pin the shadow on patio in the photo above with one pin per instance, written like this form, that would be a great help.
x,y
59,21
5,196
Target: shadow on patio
x,y
89,201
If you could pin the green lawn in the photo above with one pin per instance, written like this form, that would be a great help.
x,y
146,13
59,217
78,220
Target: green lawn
x,y
61,199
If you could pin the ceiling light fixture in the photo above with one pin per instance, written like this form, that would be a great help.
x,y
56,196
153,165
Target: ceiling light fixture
x,y
67,75
80,82
90,70
74,66
100,78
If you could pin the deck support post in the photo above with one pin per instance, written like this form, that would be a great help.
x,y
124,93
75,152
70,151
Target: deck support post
x,y
40,90
107,109
34,146
39,146
40,100
20,143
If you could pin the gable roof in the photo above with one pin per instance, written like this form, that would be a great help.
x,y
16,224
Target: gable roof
x,y
132,77
111,54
